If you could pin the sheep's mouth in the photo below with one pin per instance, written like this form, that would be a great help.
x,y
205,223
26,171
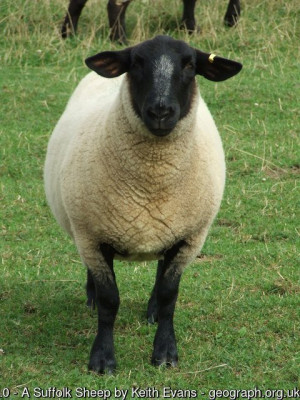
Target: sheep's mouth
x,y
161,127
160,118
160,132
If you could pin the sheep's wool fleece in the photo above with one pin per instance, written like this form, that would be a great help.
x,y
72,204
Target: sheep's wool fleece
x,y
109,180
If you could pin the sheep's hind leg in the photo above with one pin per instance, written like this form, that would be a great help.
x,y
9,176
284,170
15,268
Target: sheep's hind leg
x,y
152,303
102,358
90,291
166,290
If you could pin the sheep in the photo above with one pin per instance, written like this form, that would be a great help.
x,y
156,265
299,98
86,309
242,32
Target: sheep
x,y
135,171
116,15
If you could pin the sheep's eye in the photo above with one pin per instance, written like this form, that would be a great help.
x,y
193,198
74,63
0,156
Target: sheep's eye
x,y
189,65
138,62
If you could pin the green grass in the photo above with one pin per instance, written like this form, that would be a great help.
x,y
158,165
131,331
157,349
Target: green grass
x,y
237,318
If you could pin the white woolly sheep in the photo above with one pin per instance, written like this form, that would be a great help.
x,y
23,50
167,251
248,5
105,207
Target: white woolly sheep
x,y
135,171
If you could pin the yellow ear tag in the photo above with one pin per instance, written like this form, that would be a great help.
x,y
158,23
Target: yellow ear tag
x,y
211,58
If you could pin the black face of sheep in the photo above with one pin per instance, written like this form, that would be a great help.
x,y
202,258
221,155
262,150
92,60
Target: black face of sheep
x,y
116,15
161,73
162,83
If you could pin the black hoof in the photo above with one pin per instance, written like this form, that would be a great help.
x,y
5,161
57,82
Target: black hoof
x,y
231,20
189,26
102,365
102,356
168,361
65,30
119,39
164,362
165,355
64,34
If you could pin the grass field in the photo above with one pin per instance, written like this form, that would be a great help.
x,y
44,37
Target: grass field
x,y
237,317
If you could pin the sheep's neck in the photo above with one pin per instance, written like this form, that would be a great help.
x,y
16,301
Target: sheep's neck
x,y
148,160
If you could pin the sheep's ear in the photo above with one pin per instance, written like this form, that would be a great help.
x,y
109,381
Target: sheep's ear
x,y
110,64
215,68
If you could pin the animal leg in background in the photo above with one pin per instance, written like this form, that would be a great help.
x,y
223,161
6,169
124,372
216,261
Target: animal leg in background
x,y
233,13
116,15
188,18
71,19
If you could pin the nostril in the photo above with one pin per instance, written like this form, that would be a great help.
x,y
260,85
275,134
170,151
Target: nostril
x,y
160,113
152,114
167,112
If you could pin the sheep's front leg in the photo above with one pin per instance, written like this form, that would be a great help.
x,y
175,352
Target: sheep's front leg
x,y
102,358
162,302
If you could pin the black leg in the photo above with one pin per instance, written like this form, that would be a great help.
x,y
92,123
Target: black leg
x,y
71,19
233,13
166,290
188,19
116,16
102,358
152,303
90,291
